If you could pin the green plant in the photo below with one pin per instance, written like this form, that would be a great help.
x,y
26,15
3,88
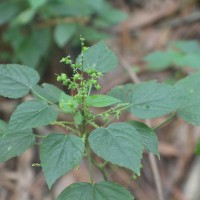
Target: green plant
x,y
178,54
40,26
120,143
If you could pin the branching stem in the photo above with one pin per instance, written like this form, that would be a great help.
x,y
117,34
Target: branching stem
x,y
101,168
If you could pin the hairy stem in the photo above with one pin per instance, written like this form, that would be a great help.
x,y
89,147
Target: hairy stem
x,y
90,165
101,169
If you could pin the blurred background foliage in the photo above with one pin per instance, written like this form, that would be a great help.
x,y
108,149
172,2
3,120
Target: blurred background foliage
x,y
178,54
33,30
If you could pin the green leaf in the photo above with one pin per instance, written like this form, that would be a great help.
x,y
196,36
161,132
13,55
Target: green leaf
x,y
69,8
31,114
192,60
179,59
98,191
97,5
34,46
3,126
101,100
16,80
47,92
152,100
115,15
99,57
188,90
24,17
119,143
8,10
92,34
190,46
78,118
35,4
150,140
59,154
15,142
63,33
160,60
67,103
122,92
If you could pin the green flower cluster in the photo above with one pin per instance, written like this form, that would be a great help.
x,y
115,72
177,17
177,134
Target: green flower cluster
x,y
78,81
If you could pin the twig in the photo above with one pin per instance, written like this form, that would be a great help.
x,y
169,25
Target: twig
x,y
192,18
156,174
129,69
53,22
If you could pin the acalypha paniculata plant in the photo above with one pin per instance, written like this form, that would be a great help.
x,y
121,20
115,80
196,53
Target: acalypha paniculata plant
x,y
118,143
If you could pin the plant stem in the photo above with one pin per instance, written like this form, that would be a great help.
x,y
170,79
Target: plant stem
x,y
36,143
89,91
101,169
155,170
165,122
156,174
40,136
90,165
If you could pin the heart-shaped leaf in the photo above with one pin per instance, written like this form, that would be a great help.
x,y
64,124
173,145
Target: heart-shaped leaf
x,y
59,154
99,191
119,143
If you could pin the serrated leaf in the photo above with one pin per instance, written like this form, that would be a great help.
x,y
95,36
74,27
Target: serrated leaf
x,y
101,100
47,92
150,140
8,10
152,100
59,154
31,114
99,57
122,92
15,142
120,144
63,33
67,103
16,80
98,191
188,90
